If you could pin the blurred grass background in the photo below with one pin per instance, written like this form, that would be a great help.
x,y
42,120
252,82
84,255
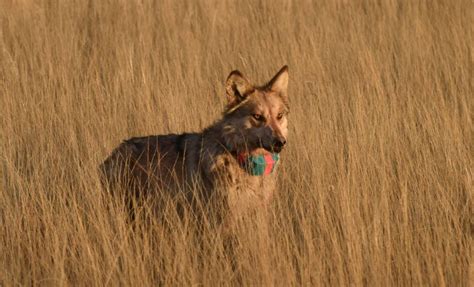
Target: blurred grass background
x,y
376,184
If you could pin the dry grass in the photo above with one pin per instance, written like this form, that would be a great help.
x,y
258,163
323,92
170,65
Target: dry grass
x,y
376,185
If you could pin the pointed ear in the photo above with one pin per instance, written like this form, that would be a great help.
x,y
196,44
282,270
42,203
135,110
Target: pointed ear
x,y
237,87
279,83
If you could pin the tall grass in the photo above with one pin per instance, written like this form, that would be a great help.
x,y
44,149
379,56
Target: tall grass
x,y
376,184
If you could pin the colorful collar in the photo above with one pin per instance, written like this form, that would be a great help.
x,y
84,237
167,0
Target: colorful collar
x,y
262,164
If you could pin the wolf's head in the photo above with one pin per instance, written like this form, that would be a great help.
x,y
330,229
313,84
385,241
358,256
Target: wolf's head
x,y
256,116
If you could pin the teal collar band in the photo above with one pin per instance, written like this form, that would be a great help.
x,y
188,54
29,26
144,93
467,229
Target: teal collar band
x,y
258,164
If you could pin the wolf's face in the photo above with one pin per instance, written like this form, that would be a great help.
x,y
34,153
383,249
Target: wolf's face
x,y
257,117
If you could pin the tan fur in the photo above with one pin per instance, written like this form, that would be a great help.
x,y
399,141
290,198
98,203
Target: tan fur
x,y
177,164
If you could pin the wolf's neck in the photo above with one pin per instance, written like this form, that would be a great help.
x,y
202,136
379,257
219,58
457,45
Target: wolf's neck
x,y
229,139
219,136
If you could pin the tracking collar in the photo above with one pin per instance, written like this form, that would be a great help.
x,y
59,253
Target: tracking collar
x,y
257,165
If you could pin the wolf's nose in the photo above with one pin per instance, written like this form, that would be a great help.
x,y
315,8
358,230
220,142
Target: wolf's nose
x,y
279,143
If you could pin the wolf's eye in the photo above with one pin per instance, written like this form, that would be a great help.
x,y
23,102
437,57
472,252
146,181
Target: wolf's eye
x,y
258,117
279,116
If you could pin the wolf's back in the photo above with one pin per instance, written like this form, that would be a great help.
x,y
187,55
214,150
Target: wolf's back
x,y
156,159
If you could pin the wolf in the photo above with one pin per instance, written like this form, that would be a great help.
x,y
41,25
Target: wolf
x,y
231,165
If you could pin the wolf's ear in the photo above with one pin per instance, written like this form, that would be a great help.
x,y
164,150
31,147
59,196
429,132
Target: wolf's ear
x,y
237,87
279,83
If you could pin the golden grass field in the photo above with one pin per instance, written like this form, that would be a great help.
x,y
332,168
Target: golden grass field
x,y
376,184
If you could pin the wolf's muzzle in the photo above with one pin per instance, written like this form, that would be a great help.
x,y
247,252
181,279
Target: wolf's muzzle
x,y
278,144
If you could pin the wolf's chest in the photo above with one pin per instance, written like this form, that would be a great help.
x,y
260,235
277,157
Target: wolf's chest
x,y
251,191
